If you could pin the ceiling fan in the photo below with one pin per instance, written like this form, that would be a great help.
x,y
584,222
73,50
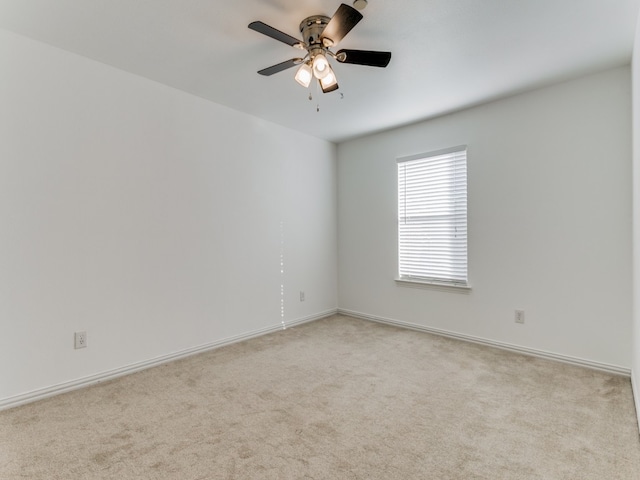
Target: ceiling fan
x,y
319,34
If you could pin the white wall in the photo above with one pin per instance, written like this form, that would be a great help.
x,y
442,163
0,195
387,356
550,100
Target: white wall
x,y
152,219
549,221
635,78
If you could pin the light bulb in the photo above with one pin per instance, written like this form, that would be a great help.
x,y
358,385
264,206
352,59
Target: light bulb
x,y
304,75
321,67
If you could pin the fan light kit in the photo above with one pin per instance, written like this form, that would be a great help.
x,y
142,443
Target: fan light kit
x,y
320,33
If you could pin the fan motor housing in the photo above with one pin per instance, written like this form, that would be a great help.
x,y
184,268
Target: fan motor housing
x,y
312,27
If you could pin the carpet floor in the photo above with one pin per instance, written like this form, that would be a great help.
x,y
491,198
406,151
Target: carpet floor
x,y
338,398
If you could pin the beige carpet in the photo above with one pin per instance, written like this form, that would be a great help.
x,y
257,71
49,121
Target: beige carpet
x,y
334,399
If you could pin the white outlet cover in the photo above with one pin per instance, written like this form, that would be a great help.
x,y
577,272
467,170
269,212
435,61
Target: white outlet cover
x,y
80,340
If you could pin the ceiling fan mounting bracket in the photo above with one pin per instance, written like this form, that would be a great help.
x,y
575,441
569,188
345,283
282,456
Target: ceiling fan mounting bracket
x,y
312,27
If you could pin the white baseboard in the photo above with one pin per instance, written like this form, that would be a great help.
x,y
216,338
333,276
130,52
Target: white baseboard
x,y
635,387
53,390
311,318
604,367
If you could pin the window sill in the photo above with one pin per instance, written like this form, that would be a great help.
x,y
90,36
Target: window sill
x,y
444,287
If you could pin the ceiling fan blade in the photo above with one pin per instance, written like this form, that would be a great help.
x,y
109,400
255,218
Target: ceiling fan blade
x,y
364,57
280,67
341,23
269,31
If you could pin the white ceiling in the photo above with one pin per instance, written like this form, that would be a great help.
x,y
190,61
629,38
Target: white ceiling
x,y
447,54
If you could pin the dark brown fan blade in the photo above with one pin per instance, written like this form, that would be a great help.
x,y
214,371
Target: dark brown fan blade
x,y
280,67
341,23
273,33
364,57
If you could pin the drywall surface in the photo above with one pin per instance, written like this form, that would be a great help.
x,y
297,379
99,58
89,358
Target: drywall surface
x,y
635,338
153,220
549,202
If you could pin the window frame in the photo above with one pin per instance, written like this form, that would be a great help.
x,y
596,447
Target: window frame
x,y
434,281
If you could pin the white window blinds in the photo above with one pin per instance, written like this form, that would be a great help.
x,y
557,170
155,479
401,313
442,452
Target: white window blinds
x,y
432,216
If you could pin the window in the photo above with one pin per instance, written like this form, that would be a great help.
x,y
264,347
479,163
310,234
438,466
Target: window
x,y
432,217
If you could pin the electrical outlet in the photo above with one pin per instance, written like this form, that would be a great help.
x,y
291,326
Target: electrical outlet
x,y
301,296
519,318
80,339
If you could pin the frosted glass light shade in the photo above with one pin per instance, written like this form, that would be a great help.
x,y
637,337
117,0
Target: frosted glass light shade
x,y
321,67
329,82
304,75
